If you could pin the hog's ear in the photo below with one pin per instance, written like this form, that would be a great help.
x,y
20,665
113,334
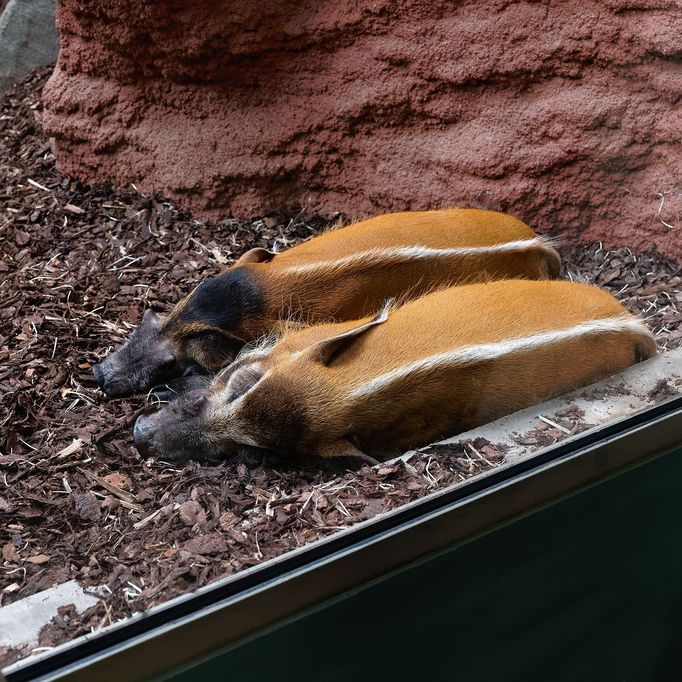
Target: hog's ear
x,y
324,351
256,256
164,354
151,319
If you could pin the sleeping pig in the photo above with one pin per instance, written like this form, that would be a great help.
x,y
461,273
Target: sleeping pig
x,y
436,366
343,274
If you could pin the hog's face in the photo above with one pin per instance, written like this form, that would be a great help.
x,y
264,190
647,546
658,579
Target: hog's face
x,y
216,421
145,360
155,354
201,334
177,432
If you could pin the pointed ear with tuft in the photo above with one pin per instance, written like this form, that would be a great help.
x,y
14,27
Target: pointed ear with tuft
x,y
324,351
256,256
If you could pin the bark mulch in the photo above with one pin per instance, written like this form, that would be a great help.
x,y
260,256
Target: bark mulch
x,y
78,265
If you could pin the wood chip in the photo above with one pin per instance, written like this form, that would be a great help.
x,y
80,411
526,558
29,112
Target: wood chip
x,y
75,446
38,559
119,492
38,185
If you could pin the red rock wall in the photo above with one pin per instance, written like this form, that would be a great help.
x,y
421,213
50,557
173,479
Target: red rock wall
x,y
567,113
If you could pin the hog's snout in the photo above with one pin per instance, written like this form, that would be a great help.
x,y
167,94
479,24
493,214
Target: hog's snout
x,y
109,379
99,375
175,432
143,431
145,360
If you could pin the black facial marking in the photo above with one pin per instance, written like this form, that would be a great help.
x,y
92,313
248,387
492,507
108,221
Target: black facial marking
x,y
224,301
144,360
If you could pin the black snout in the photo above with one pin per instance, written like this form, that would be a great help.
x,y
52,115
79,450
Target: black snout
x,y
99,375
107,381
111,379
143,361
143,432
174,433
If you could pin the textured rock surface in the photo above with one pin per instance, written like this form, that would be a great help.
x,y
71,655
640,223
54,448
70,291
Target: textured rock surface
x,y
567,113
28,38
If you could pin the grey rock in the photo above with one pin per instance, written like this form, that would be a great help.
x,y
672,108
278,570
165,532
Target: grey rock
x,y
28,39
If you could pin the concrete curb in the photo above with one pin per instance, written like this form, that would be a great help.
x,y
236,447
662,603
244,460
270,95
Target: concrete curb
x,y
22,621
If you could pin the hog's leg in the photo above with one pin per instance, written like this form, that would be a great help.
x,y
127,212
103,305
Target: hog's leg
x,y
254,457
343,448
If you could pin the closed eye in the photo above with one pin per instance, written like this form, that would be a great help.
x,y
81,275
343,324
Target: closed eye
x,y
206,337
212,349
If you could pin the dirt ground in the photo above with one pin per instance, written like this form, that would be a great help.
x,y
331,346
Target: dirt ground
x,y
78,266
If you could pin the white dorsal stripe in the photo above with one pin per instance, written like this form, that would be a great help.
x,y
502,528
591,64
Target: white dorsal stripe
x,y
403,253
490,351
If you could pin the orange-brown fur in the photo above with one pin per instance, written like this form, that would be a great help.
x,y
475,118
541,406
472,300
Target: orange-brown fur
x,y
303,402
350,292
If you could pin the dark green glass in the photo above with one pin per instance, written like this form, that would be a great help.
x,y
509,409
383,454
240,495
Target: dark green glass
x,y
588,588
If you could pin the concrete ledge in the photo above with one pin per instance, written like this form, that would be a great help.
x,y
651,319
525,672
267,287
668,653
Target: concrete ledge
x,y
22,621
